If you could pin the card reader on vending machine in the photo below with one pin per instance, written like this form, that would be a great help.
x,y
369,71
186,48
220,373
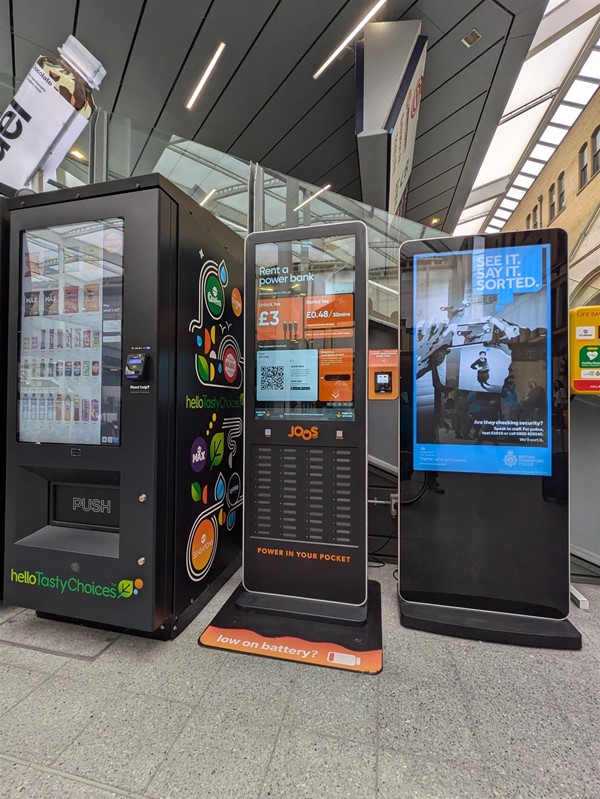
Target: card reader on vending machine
x,y
135,366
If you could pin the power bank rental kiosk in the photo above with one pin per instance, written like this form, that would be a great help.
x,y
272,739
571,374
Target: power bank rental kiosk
x,y
125,382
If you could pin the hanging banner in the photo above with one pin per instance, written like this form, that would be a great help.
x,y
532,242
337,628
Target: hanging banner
x,y
404,118
584,342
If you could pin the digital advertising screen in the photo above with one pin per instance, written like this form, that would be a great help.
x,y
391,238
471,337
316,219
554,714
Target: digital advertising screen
x,y
70,355
305,329
482,361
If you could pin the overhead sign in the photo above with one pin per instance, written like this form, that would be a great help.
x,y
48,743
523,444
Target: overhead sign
x,y
404,118
585,349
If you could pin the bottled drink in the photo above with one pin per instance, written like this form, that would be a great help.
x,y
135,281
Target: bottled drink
x,y
69,338
76,408
51,338
59,369
51,367
34,368
58,408
42,367
50,407
68,408
86,410
25,407
43,340
59,339
33,407
95,410
42,408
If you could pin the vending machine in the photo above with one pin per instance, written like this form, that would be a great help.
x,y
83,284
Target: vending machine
x,y
3,310
124,422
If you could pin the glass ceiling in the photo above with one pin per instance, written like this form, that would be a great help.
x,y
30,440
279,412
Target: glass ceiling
x,y
557,80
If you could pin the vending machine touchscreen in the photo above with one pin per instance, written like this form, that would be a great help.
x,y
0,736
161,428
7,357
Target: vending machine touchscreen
x,y
70,344
305,529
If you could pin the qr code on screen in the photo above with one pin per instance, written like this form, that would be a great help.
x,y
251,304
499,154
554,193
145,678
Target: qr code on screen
x,y
271,378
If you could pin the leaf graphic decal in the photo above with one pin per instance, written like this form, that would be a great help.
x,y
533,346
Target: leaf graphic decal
x,y
202,367
125,589
217,449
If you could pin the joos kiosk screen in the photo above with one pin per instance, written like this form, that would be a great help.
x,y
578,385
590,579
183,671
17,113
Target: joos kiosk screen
x,y
482,359
305,328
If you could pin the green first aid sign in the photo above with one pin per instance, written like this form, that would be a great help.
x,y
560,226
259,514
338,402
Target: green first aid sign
x,y
589,357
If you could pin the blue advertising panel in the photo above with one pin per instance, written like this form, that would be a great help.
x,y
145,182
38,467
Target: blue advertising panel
x,y
482,361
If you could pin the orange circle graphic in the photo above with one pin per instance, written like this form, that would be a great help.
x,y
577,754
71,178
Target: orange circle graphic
x,y
139,583
203,544
236,302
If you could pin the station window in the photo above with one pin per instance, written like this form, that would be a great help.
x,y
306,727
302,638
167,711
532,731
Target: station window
x,y
528,221
536,220
596,150
551,202
561,191
583,166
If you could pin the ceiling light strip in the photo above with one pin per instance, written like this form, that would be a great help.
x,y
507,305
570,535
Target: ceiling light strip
x,y
312,197
205,77
351,36
208,196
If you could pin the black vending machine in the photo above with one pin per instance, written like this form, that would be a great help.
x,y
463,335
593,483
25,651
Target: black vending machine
x,y
125,398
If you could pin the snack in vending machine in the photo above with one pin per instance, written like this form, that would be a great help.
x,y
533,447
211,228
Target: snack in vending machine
x,y
43,339
50,302
94,410
59,339
76,368
71,299
95,368
76,408
77,337
34,343
91,297
32,263
69,338
85,368
96,338
86,339
26,343
32,303
68,368
85,410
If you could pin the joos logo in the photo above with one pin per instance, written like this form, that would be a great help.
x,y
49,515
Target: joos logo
x,y
307,433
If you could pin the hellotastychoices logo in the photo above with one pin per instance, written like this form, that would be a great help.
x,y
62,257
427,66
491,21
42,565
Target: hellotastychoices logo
x,y
73,585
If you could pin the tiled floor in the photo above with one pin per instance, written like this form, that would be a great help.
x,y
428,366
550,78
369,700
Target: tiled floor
x,y
86,714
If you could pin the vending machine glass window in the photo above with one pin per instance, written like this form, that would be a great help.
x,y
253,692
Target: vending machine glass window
x,y
70,354
305,329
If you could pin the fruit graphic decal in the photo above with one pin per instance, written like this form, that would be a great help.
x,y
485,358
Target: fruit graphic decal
x,y
219,361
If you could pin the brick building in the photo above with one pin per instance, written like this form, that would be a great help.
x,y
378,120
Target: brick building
x,y
566,194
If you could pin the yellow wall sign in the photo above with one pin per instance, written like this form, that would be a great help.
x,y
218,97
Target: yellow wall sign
x,y
584,340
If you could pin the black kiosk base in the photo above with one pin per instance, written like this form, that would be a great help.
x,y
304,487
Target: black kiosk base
x,y
244,625
500,628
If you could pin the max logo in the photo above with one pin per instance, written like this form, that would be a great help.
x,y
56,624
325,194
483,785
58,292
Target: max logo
x,y
296,431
